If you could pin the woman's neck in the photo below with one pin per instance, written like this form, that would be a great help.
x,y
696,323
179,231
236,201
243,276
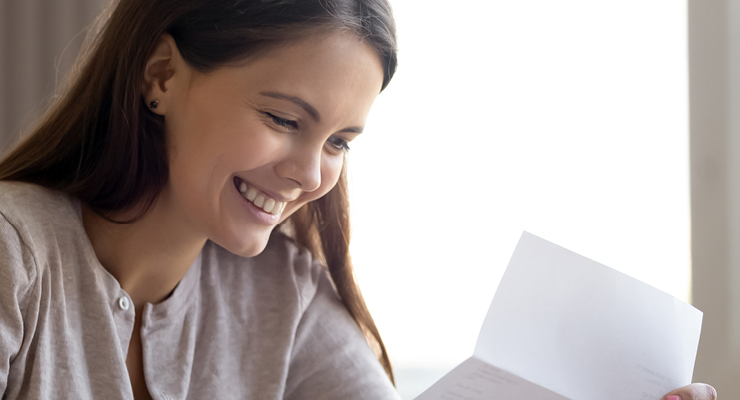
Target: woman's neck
x,y
148,257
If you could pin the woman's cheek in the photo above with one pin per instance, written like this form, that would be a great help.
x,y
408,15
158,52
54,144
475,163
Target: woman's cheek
x,y
331,168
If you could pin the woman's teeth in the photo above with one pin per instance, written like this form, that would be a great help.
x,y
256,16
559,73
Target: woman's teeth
x,y
267,204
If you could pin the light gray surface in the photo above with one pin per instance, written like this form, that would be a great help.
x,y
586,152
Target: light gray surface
x,y
268,327
714,88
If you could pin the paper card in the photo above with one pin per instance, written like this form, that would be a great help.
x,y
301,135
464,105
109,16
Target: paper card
x,y
583,330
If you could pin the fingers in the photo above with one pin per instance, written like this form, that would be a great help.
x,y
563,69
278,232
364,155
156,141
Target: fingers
x,y
695,391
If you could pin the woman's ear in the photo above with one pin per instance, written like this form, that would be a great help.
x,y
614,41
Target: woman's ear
x,y
164,72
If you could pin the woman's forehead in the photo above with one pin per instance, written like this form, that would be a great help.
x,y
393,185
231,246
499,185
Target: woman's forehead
x,y
333,72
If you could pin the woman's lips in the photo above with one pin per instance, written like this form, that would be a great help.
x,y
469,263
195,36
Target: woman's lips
x,y
258,198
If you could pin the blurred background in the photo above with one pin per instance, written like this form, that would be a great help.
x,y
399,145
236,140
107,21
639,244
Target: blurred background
x,y
605,127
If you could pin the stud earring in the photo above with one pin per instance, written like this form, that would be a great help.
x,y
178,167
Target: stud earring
x,y
153,104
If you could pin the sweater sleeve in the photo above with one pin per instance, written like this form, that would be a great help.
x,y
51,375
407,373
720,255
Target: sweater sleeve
x,y
16,277
331,358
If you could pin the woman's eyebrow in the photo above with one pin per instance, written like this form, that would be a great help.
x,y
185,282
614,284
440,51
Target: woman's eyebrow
x,y
297,100
353,129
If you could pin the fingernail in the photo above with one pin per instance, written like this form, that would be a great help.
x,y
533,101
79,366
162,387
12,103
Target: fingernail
x,y
673,398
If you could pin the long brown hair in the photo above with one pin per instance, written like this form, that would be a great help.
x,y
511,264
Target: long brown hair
x,y
100,143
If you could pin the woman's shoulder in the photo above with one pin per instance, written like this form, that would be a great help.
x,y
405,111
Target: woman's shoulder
x,y
28,202
27,212
36,213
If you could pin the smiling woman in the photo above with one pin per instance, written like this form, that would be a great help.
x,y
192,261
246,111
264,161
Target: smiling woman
x,y
272,126
177,226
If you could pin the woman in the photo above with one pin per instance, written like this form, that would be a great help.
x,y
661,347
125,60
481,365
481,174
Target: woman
x,y
138,245
193,129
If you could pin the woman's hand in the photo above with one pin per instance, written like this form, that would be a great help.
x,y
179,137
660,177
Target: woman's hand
x,y
695,391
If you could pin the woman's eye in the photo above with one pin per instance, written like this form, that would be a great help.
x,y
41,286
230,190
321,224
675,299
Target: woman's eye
x,y
338,144
285,123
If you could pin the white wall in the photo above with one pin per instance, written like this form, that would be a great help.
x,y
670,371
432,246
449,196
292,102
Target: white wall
x,y
568,119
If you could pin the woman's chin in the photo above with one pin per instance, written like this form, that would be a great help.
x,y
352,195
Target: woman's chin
x,y
246,247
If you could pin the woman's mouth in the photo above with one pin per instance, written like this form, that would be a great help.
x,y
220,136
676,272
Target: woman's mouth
x,y
258,198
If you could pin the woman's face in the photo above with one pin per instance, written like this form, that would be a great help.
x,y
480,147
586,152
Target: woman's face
x,y
249,145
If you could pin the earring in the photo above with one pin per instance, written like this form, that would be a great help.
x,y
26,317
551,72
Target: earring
x,y
153,104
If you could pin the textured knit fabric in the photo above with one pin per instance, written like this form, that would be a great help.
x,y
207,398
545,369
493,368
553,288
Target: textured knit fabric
x,y
267,327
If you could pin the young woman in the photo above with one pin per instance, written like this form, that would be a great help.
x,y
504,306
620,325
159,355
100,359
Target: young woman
x,y
139,255
177,225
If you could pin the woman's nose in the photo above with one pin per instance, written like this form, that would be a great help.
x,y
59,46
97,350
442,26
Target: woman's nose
x,y
303,166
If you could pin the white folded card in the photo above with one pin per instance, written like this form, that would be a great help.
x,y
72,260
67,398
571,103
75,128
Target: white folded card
x,y
562,327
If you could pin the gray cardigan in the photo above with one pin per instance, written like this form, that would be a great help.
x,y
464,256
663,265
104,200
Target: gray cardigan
x,y
267,327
